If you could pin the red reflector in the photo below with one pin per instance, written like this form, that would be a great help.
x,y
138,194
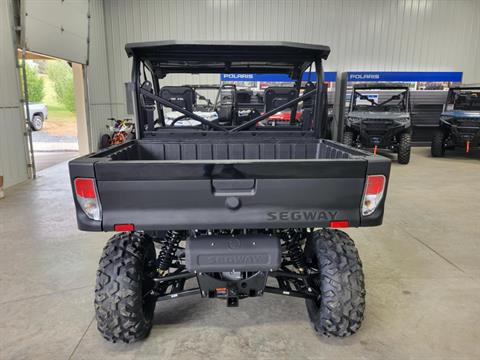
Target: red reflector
x,y
375,184
339,224
85,188
124,227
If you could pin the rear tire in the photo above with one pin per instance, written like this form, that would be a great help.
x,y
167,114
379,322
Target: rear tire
x,y
348,138
404,148
123,308
105,141
341,304
438,144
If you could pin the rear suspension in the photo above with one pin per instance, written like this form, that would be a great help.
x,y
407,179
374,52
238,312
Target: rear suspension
x,y
169,247
292,239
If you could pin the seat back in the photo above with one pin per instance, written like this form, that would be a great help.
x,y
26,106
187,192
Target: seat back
x,y
227,105
148,105
183,96
308,103
244,96
276,96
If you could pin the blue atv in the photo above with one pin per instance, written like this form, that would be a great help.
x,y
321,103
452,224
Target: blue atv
x,y
459,122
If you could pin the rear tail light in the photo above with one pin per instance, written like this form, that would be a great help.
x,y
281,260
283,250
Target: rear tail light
x,y
124,227
373,195
335,224
87,197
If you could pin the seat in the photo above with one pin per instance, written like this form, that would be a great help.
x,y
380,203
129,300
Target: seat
x,y
227,106
148,105
308,103
276,96
244,97
307,112
183,96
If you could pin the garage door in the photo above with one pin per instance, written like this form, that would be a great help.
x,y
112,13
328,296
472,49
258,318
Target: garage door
x,y
57,28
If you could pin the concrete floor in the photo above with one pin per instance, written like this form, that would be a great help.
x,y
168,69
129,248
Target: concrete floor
x,y
422,275
45,159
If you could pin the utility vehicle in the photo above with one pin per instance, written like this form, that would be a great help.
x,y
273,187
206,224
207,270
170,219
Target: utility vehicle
x,y
459,121
379,118
236,210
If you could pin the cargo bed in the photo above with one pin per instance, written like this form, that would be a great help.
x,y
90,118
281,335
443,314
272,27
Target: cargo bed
x,y
253,147
213,180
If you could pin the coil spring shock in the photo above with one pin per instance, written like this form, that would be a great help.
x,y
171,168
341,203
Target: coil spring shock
x,y
292,238
168,250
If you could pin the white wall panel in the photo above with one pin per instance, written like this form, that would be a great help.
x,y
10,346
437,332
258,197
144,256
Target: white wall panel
x,y
389,35
13,163
57,28
100,107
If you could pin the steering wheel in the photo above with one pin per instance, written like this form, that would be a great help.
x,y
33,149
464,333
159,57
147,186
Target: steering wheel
x,y
178,119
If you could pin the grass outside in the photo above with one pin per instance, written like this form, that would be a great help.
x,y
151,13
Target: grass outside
x,y
60,121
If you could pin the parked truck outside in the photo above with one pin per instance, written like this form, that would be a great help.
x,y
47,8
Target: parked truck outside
x,y
38,114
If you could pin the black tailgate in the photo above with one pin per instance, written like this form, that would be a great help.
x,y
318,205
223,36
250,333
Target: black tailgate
x,y
156,195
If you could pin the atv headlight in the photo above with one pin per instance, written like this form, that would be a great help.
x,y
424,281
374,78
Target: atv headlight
x,y
353,120
211,117
404,121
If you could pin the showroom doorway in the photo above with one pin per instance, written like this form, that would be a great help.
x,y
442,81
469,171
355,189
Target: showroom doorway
x,y
53,38
55,117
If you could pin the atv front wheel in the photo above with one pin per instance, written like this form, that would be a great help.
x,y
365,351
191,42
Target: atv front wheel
x,y
339,309
404,148
348,138
438,144
123,304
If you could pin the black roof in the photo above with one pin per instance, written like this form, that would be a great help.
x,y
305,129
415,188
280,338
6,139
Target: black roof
x,y
380,86
226,56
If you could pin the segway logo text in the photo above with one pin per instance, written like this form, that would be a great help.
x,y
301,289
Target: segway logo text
x,y
302,215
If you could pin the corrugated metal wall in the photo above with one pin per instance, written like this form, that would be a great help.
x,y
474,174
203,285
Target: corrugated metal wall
x,y
100,104
13,163
416,35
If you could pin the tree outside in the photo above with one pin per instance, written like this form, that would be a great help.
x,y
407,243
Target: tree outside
x,y
36,85
51,82
60,73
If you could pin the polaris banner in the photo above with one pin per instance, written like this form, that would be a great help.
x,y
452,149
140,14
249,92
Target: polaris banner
x,y
330,76
407,76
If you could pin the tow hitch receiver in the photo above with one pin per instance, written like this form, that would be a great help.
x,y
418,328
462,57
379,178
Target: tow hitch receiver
x,y
232,286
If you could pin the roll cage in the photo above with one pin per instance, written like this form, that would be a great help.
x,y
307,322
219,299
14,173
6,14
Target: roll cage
x,y
173,57
466,97
402,98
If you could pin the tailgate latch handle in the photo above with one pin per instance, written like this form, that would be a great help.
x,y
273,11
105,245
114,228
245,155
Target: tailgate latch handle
x,y
234,187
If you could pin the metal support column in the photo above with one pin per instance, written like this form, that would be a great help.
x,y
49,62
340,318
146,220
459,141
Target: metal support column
x,y
339,106
28,129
